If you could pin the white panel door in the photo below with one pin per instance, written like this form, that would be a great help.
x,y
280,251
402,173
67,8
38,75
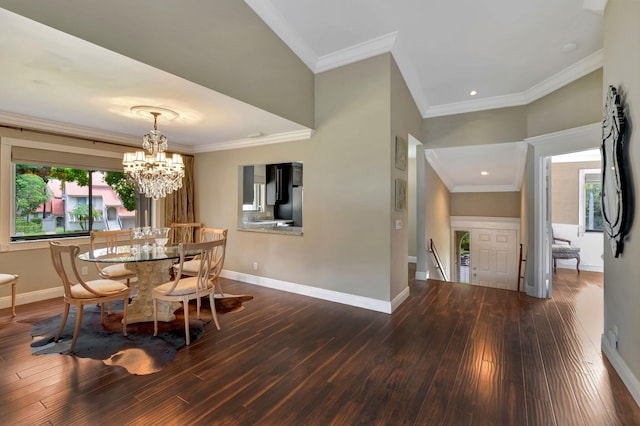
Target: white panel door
x,y
493,258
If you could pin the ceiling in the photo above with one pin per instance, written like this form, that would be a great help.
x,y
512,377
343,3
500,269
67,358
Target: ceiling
x,y
510,51
500,170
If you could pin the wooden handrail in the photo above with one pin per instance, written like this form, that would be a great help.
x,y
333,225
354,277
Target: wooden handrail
x,y
436,256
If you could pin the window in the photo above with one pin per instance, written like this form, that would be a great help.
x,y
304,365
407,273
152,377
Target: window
x,y
590,215
62,191
54,201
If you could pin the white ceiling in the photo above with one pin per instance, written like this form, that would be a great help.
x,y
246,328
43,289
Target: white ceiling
x,y
510,51
461,171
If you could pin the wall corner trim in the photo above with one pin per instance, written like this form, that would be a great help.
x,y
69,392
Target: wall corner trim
x,y
630,381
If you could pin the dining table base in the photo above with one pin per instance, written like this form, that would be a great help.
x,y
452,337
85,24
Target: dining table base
x,y
150,274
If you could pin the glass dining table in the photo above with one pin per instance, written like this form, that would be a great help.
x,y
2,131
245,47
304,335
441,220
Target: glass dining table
x,y
152,268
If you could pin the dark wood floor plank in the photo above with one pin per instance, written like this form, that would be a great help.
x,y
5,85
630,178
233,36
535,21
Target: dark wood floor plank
x,y
452,354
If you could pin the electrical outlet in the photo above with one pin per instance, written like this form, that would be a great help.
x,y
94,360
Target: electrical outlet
x,y
255,266
85,270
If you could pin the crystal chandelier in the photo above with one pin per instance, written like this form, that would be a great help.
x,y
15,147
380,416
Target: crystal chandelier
x,y
154,174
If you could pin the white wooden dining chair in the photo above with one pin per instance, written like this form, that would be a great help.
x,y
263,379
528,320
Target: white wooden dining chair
x,y
10,280
79,292
111,240
191,267
185,288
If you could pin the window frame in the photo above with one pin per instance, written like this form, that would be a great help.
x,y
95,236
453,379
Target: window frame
x,y
582,221
7,190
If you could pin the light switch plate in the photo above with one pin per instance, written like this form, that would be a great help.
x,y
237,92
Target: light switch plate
x,y
399,224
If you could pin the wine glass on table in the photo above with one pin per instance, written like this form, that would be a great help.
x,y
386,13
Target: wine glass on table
x,y
161,237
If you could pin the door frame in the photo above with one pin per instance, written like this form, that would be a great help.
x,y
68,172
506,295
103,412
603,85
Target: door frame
x,y
563,142
467,223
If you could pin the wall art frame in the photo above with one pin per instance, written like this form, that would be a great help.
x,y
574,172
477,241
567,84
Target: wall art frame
x,y
401,194
401,153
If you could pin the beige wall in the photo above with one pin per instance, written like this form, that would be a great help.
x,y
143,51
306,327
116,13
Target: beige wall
x,y
437,220
405,120
491,204
577,104
347,243
226,47
565,188
621,289
475,128
412,211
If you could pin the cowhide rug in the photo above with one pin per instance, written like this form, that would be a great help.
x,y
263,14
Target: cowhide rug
x,y
139,352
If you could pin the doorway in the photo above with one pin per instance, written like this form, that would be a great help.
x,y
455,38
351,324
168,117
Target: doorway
x,y
462,257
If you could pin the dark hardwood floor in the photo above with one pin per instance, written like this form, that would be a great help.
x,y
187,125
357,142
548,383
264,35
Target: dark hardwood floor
x,y
451,354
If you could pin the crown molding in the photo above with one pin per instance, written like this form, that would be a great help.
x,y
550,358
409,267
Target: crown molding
x,y
566,76
71,130
410,75
355,53
596,6
297,135
434,160
551,84
276,22
390,43
486,188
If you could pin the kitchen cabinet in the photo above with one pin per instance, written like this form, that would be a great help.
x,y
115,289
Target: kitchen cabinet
x,y
278,183
247,185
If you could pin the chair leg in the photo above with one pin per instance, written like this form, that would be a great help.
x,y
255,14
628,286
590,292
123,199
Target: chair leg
x,y
13,298
578,264
214,314
102,313
64,321
124,317
155,317
76,330
185,306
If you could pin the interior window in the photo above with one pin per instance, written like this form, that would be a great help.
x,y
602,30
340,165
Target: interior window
x,y
67,202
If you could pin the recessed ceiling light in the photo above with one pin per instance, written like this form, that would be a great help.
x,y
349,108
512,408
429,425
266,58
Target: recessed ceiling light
x,y
484,173
569,47
473,92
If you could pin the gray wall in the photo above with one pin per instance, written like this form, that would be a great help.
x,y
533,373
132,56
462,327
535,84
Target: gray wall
x,y
621,289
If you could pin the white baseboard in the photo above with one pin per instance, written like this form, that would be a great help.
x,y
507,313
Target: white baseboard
x,y
589,268
630,381
422,275
413,259
320,293
32,296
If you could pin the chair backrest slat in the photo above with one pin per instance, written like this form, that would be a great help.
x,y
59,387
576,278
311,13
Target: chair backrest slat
x,y
205,252
184,232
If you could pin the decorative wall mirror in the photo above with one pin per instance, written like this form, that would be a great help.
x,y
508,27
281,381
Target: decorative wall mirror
x,y
613,174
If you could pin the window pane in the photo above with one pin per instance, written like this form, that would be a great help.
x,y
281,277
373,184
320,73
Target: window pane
x,y
55,201
593,211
